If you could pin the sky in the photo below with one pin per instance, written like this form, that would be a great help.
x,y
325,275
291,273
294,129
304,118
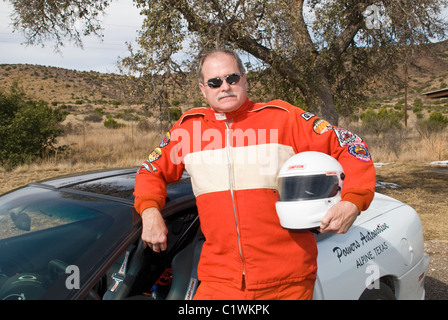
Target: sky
x,y
121,23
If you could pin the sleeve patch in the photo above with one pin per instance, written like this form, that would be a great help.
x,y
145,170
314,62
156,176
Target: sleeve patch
x,y
346,137
147,165
166,140
321,126
360,152
307,115
155,155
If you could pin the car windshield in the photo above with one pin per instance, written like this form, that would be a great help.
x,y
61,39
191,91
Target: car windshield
x,y
45,233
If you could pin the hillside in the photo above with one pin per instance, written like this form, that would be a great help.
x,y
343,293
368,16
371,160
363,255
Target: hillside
x,y
60,85
428,71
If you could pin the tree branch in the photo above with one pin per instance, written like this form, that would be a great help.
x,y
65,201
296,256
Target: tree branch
x,y
342,42
300,29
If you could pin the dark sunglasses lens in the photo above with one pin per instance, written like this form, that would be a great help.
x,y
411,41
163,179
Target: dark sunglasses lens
x,y
217,82
233,78
214,83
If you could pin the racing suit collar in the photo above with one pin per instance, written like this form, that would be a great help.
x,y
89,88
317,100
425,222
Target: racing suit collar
x,y
226,116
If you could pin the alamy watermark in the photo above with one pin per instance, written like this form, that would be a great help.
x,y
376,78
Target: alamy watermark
x,y
73,280
373,276
256,147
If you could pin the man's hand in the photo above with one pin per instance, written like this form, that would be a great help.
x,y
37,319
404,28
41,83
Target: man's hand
x,y
339,217
154,230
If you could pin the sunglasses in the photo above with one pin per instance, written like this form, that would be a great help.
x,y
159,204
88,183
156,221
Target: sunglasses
x,y
215,83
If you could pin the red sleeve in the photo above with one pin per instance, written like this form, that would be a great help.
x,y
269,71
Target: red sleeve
x,y
161,167
314,134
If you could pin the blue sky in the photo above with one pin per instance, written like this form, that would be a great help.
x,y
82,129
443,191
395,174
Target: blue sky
x,y
121,23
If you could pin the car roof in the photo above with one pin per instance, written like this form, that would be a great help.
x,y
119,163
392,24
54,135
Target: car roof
x,y
111,183
68,181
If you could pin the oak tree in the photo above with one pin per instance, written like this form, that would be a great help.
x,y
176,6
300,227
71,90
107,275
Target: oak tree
x,y
321,54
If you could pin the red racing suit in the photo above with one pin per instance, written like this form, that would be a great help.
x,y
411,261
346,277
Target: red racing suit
x,y
233,160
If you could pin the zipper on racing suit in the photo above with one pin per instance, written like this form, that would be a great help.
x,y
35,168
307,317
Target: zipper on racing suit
x,y
230,166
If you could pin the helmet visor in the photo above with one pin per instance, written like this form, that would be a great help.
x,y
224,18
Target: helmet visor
x,y
311,187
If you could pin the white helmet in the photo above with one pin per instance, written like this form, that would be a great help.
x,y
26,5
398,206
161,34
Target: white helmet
x,y
309,183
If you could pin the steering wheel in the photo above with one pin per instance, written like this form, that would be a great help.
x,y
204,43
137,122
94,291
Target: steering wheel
x,y
23,286
29,286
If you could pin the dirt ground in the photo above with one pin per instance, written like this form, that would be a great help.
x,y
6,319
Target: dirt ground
x,y
436,283
422,186
425,188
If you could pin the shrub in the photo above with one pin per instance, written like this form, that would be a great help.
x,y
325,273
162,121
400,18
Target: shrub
x,y
28,129
146,126
111,123
93,117
99,111
436,122
127,115
172,114
382,121
116,102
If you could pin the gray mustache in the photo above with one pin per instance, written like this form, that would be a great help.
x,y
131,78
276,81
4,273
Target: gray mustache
x,y
226,94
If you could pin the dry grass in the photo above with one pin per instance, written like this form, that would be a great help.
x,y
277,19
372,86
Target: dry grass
x,y
405,144
422,186
410,148
95,148
100,146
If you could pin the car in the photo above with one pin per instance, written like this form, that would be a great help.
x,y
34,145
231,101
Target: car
x,y
78,238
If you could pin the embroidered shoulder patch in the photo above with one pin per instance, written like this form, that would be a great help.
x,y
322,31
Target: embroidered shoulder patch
x,y
155,155
321,126
359,151
166,140
346,137
307,115
147,165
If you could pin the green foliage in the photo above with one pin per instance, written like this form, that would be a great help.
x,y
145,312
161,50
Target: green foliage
x,y
93,117
58,20
116,102
322,53
172,114
127,115
111,123
418,103
381,121
28,129
99,111
436,123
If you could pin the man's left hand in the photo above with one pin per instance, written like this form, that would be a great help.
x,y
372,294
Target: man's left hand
x,y
339,217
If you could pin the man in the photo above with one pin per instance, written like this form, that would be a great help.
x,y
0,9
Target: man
x,y
233,151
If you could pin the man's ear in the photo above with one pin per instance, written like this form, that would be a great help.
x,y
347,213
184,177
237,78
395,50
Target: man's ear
x,y
202,87
244,79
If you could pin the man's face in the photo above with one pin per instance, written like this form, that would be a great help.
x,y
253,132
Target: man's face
x,y
226,98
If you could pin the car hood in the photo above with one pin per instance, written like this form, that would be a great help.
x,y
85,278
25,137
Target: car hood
x,y
380,205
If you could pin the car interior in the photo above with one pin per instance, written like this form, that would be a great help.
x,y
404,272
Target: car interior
x,y
170,275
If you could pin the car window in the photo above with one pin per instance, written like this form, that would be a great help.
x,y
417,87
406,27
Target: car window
x,y
44,232
35,216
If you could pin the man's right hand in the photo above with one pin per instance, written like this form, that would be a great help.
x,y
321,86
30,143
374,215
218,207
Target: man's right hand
x,y
154,230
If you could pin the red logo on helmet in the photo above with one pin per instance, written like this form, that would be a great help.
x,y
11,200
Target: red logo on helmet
x,y
296,167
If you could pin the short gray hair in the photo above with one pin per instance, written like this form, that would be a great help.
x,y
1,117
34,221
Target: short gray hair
x,y
206,53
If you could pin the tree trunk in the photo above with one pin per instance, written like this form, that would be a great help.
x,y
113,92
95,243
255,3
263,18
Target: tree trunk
x,y
319,97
